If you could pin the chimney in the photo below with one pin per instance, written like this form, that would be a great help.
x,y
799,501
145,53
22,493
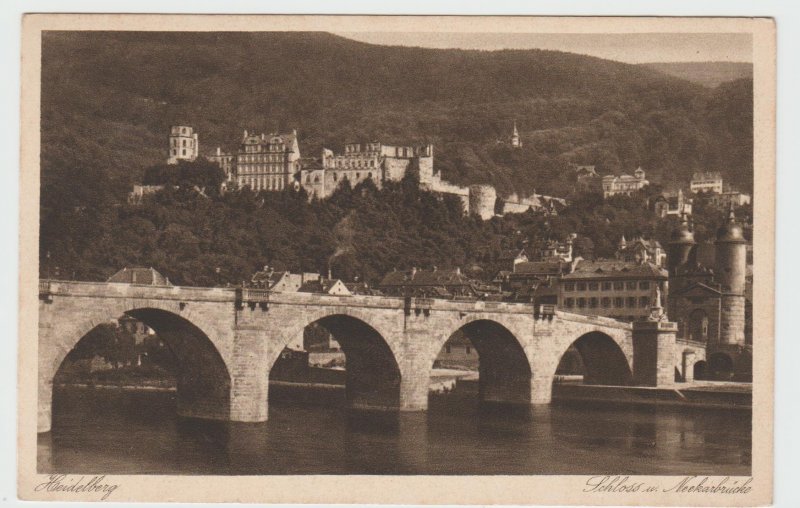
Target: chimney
x,y
330,272
458,270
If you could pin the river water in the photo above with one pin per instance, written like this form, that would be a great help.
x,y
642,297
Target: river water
x,y
114,432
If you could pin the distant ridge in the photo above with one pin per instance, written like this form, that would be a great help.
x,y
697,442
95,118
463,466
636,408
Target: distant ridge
x,y
708,74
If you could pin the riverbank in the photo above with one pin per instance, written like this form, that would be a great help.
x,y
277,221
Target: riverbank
x,y
703,395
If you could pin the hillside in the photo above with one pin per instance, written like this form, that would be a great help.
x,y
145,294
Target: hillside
x,y
109,98
708,74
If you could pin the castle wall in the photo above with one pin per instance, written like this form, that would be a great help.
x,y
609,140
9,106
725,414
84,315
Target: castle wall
x,y
482,199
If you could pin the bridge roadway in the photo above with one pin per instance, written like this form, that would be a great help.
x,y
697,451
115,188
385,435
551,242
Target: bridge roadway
x,y
226,341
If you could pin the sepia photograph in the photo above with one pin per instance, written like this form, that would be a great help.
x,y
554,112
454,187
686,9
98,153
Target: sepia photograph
x,y
330,247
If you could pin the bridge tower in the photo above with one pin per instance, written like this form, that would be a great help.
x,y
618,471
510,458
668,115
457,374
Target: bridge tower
x,y
730,269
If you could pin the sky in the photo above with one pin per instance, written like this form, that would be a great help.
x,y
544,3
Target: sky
x,y
629,48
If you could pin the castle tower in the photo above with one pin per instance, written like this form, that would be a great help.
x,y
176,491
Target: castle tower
x,y
183,144
681,244
515,141
730,270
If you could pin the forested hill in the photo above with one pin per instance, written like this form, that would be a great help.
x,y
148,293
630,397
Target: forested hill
x,y
108,100
709,74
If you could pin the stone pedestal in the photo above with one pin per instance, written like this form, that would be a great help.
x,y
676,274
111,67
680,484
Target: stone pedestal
x,y
654,353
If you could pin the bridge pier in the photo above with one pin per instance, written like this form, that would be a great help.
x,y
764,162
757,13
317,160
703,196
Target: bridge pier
x,y
654,353
250,376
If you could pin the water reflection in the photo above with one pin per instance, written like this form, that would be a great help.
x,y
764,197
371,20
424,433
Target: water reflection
x,y
139,433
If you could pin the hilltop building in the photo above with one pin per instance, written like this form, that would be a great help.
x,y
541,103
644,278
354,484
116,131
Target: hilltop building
x,y
624,184
555,250
710,181
709,302
617,289
183,144
728,199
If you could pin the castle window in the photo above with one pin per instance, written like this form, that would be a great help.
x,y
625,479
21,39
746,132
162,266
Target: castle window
x,y
606,286
174,152
605,302
335,177
619,285
569,303
316,179
630,285
631,302
569,286
358,175
593,286
619,302
183,151
183,142
581,303
644,285
644,302
581,286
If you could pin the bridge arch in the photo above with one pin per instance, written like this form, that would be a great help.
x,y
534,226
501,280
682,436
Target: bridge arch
x,y
603,359
203,377
504,368
372,372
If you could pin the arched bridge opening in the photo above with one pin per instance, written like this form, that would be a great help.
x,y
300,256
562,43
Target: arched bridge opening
x,y
594,359
338,354
150,351
482,360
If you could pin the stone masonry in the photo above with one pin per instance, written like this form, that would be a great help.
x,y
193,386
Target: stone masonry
x,y
227,340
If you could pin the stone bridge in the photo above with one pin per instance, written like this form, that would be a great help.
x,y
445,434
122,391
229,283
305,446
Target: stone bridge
x,y
226,341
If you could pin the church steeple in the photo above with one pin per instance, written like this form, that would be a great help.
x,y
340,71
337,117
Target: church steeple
x,y
515,141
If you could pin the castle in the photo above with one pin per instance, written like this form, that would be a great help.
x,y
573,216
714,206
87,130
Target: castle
x,y
272,162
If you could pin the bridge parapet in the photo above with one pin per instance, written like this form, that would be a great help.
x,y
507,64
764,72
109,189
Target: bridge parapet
x,y
121,290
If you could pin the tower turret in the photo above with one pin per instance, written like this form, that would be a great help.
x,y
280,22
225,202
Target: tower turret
x,y
681,244
183,144
730,270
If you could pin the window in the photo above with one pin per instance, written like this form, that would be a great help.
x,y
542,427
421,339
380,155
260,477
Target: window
x,y
594,286
606,286
184,151
581,286
358,175
469,350
630,285
592,303
631,302
619,286
581,303
644,302
183,142
569,286
335,177
644,284
569,303
605,302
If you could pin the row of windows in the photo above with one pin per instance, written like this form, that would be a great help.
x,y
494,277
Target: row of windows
x,y
606,302
273,157
183,142
261,168
264,148
606,286
354,163
175,151
262,183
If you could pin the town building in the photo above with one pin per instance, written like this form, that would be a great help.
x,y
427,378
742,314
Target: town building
x,y
183,144
617,289
672,204
434,283
640,250
624,184
326,287
725,200
710,181
137,275
710,303
534,281
558,250
281,281
587,178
